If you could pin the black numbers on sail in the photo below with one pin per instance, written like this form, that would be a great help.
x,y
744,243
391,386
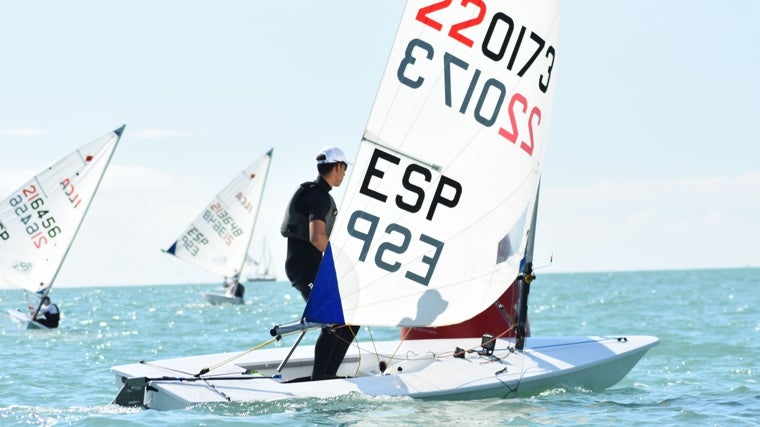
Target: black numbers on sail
x,y
525,48
447,191
410,59
499,21
363,226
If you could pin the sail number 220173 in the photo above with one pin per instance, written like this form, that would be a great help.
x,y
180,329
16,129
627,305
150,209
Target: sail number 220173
x,y
487,93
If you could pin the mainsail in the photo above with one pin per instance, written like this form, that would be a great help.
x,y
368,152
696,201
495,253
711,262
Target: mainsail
x,y
434,222
218,239
39,221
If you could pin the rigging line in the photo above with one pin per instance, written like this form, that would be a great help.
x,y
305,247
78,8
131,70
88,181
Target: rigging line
x,y
356,343
575,343
401,341
519,379
224,362
374,345
142,362
213,387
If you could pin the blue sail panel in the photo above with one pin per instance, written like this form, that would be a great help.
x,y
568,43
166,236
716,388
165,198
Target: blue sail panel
x,y
172,250
324,305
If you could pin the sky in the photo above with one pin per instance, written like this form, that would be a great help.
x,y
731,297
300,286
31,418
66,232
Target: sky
x,y
652,163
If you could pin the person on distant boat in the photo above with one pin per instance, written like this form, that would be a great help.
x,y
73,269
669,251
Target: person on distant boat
x,y
307,225
48,315
235,288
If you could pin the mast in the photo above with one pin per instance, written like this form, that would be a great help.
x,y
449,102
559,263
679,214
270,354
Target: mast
x,y
526,277
255,217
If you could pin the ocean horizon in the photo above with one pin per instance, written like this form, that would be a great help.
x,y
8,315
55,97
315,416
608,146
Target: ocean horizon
x,y
703,372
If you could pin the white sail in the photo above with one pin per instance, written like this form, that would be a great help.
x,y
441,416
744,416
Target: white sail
x,y
38,222
432,228
218,239
259,268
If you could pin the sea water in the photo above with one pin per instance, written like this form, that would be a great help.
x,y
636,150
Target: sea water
x,y
705,371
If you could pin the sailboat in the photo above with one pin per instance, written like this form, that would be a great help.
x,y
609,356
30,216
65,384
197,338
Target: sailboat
x,y
219,237
260,269
437,222
39,221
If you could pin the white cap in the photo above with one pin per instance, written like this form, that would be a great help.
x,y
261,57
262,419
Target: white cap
x,y
332,155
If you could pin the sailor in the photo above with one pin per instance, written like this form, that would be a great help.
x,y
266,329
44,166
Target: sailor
x,y
48,315
307,225
235,288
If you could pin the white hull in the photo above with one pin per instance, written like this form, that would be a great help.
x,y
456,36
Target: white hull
x,y
214,298
424,369
261,279
22,319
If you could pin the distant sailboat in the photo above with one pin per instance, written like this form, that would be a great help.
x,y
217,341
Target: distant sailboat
x,y
218,239
39,221
260,269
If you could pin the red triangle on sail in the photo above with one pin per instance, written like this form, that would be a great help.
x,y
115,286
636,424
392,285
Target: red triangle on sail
x,y
88,158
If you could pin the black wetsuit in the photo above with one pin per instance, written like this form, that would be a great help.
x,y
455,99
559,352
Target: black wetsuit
x,y
312,201
50,320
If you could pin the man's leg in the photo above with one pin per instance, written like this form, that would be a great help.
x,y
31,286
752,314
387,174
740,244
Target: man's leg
x,y
323,351
343,338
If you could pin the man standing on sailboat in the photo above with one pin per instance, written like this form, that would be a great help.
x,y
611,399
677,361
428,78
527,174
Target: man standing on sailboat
x,y
307,225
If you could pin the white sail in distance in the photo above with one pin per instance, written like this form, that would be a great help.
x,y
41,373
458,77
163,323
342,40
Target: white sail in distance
x,y
219,237
39,221
433,225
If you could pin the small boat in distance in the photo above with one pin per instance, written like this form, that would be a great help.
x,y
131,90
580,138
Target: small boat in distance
x,y
260,269
219,238
39,221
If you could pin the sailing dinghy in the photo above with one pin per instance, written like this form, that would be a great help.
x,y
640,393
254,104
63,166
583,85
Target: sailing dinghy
x,y
260,269
218,239
436,223
39,221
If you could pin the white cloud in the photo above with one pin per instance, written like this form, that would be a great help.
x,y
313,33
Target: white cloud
x,y
159,134
137,177
695,222
14,133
